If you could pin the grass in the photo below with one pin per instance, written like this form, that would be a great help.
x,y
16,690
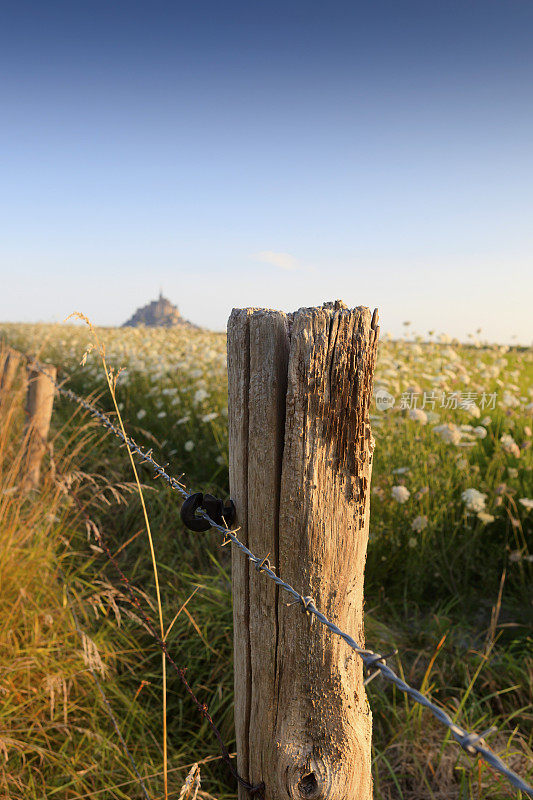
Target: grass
x,y
453,596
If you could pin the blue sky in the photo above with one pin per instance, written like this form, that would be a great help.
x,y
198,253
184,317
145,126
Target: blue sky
x,y
269,154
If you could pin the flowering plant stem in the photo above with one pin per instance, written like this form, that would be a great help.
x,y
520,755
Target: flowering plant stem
x,y
111,379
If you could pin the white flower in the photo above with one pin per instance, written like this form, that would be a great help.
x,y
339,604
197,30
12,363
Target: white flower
x,y
141,413
509,400
485,518
400,470
162,414
432,417
419,523
474,500
486,420
449,433
209,417
400,493
183,420
418,415
188,446
450,354
509,445
512,472
479,432
526,502
220,460
412,542
473,410
200,395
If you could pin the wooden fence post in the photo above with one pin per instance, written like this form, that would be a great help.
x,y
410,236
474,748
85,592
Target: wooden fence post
x,y
300,463
39,402
11,361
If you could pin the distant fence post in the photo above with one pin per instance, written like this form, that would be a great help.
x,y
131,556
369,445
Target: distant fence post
x,y
300,387
10,363
39,402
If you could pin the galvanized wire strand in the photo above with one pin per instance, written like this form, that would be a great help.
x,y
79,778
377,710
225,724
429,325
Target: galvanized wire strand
x,y
471,742
103,694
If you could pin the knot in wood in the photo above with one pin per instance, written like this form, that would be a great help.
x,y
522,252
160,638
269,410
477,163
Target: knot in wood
x,y
308,785
311,781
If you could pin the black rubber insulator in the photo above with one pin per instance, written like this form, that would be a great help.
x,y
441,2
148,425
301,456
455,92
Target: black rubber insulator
x,y
188,515
222,514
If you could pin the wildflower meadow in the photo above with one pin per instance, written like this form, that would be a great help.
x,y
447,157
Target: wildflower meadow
x,y
448,574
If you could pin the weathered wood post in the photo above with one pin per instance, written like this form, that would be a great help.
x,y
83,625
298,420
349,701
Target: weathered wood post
x,y
11,360
300,463
4,350
39,402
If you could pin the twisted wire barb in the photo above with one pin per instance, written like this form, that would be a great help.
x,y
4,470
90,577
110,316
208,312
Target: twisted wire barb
x,y
471,742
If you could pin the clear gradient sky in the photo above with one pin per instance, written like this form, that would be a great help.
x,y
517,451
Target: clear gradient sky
x,y
271,154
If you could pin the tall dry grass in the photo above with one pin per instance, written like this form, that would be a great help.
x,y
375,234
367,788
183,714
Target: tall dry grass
x,y
54,738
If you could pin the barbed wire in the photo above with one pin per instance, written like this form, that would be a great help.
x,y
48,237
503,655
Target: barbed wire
x,y
255,790
471,742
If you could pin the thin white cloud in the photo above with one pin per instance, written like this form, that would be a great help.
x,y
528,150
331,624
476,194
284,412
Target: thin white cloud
x,y
281,260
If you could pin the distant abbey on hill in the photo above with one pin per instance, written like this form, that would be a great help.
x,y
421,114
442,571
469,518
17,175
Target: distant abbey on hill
x,y
159,313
